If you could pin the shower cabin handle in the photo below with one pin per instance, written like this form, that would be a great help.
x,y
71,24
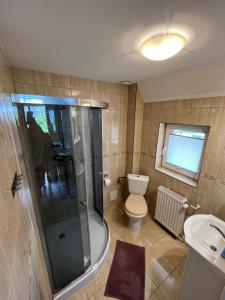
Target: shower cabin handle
x,y
84,203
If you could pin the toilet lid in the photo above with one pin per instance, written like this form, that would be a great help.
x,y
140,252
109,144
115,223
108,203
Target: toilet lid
x,y
136,205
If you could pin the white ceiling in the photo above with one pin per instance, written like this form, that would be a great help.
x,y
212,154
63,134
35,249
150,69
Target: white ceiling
x,y
99,38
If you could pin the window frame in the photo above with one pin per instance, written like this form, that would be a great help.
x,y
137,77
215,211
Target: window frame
x,y
172,170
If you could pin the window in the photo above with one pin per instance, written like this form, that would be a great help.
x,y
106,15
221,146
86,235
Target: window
x,y
180,151
45,118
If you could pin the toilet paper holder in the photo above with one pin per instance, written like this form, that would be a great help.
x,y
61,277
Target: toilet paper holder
x,y
122,177
106,179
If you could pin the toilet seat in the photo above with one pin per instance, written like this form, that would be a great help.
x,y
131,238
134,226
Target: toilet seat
x,y
136,205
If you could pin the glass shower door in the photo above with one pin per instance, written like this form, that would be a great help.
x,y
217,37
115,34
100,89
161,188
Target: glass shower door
x,y
53,144
80,158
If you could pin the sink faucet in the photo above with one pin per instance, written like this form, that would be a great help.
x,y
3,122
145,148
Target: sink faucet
x,y
218,229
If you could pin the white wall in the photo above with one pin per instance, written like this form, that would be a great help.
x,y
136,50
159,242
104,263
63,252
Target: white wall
x,y
201,81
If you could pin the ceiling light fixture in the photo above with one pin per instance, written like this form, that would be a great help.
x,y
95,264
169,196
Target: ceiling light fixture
x,y
125,82
162,46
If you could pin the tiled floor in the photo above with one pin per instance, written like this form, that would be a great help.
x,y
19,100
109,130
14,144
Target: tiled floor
x,y
165,258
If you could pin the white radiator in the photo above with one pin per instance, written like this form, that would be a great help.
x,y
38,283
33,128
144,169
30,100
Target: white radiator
x,y
170,210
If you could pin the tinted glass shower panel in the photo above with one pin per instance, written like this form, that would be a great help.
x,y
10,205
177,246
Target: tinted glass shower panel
x,y
56,146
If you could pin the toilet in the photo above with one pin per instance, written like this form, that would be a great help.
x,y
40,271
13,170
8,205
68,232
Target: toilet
x,y
135,205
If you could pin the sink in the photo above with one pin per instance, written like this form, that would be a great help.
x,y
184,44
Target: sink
x,y
204,274
206,240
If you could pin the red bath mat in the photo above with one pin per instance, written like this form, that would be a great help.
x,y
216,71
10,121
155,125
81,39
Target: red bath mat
x,y
126,279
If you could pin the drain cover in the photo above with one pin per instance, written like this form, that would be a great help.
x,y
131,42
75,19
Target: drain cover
x,y
213,248
62,235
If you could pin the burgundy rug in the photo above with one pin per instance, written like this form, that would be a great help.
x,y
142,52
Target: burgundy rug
x,y
126,279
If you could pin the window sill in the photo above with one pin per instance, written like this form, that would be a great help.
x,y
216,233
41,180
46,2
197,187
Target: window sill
x,y
180,177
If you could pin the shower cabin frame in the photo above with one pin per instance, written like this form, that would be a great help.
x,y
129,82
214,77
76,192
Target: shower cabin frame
x,y
91,271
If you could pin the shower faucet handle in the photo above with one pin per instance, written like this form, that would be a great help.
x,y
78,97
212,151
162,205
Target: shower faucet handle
x,y
84,203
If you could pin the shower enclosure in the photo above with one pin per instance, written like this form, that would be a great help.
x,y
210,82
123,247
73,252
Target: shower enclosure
x,y
62,146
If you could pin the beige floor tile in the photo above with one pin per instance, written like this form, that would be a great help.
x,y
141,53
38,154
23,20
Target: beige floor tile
x,y
80,295
99,295
173,250
99,281
158,295
169,289
114,235
157,267
120,224
137,238
153,232
150,287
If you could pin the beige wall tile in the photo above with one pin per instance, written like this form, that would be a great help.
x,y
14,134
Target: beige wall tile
x,y
43,78
221,171
23,76
114,118
216,143
41,90
217,209
74,83
187,116
25,89
124,90
101,86
218,102
114,88
115,101
219,192
211,164
170,115
181,104
201,103
8,87
5,74
155,116
59,92
61,80
167,105
216,119
204,116
96,95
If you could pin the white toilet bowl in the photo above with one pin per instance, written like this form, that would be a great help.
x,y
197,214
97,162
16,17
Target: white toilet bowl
x,y
135,206
136,209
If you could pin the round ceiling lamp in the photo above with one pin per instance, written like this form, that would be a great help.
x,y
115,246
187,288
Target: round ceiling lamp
x,y
162,46
125,82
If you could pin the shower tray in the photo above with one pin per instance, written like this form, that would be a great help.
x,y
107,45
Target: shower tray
x,y
99,250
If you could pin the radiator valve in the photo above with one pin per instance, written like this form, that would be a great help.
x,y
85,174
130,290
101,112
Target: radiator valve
x,y
186,205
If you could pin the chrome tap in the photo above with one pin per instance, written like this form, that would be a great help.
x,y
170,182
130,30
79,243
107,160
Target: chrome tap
x,y
218,229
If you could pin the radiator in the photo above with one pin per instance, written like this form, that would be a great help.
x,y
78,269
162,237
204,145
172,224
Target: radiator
x,y
169,210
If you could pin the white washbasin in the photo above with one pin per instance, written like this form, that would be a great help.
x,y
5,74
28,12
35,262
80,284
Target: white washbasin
x,y
206,240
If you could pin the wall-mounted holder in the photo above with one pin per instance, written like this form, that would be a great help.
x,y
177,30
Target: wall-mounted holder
x,y
16,184
122,177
